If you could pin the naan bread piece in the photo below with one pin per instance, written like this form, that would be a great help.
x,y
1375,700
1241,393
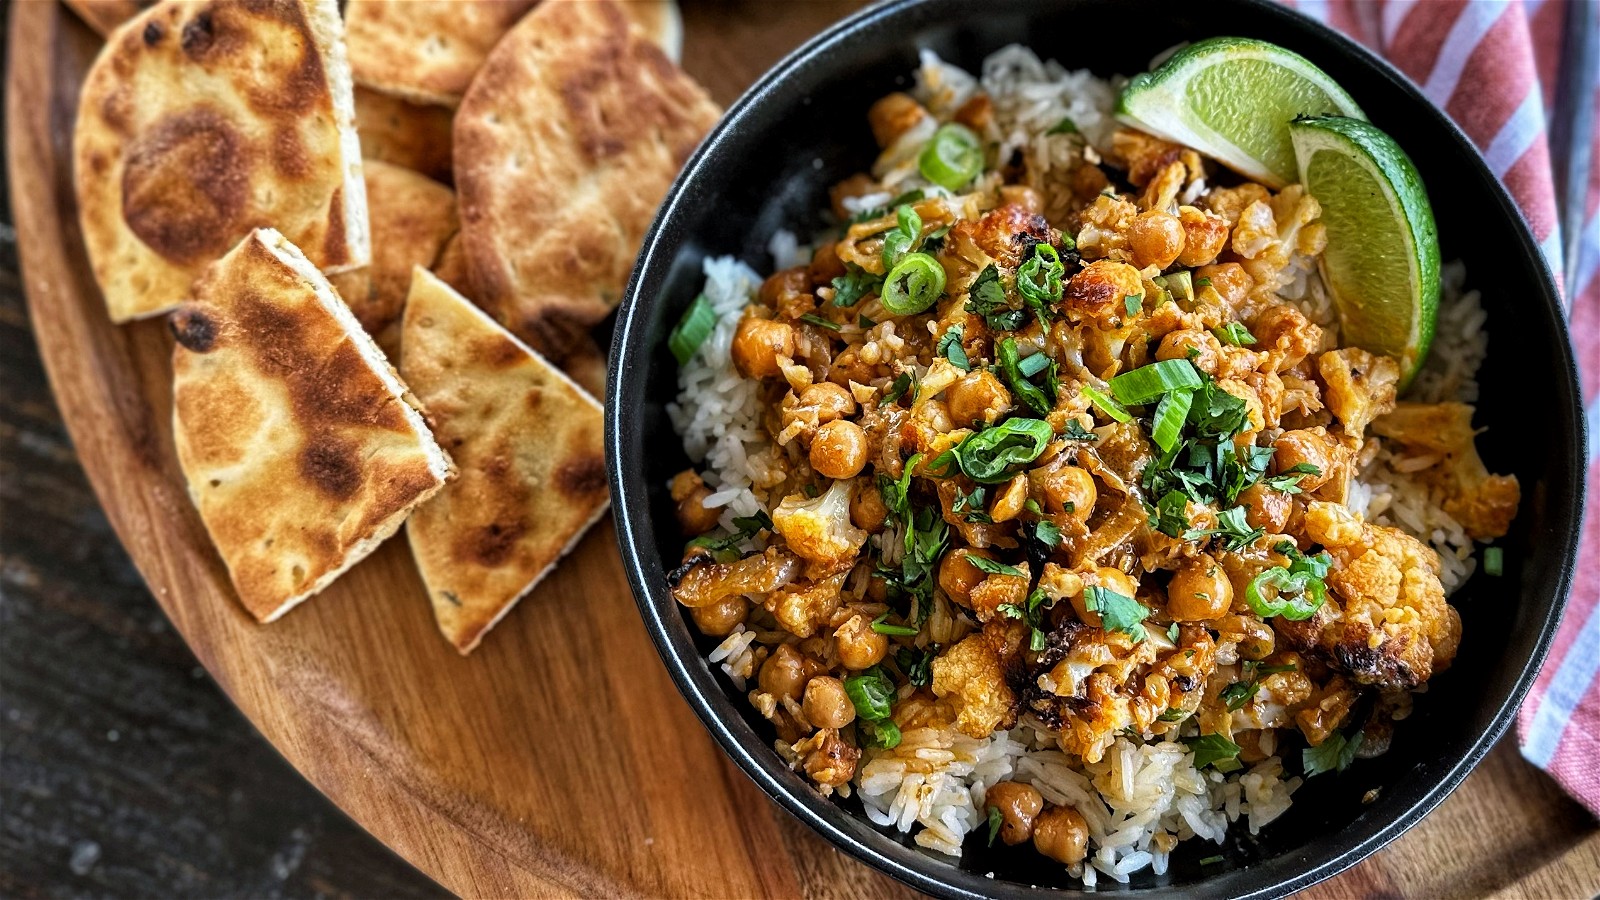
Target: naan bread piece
x,y
451,267
402,133
427,51
566,143
201,121
529,444
412,216
105,15
586,365
302,449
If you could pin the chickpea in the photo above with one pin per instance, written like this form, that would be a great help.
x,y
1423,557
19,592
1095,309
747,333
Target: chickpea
x,y
1265,508
1113,580
826,703
1204,236
977,398
1307,446
839,450
893,116
958,576
867,509
786,672
825,264
1229,280
1009,500
758,343
1204,345
976,114
1199,591
781,284
690,493
859,647
1018,804
1061,834
830,400
719,618
1069,490
1156,238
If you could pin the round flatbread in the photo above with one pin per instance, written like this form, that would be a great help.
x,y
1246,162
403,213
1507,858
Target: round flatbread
x,y
301,447
201,121
402,133
567,141
411,218
428,51
529,445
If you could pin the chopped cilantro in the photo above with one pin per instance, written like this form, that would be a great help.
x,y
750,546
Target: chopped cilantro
x,y
1074,431
1065,126
855,283
950,348
1173,715
1118,612
995,819
1133,303
902,383
1210,749
1334,754
984,564
819,321
916,664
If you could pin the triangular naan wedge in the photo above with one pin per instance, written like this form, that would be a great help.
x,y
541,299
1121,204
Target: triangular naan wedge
x,y
204,119
412,217
427,51
302,449
568,139
529,444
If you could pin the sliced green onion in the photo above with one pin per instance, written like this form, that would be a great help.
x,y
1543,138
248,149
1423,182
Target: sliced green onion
x,y
1494,561
952,158
1146,383
1030,366
1167,426
1179,284
819,321
913,284
1211,860
1108,406
882,734
693,329
1029,393
1234,333
882,626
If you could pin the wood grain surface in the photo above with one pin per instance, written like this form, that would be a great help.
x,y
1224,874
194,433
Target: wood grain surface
x,y
558,759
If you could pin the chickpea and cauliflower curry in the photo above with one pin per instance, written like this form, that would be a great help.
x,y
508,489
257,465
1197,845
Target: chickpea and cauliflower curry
x,y
1040,500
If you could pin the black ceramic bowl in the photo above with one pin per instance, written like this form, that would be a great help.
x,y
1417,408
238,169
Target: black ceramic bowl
x,y
802,127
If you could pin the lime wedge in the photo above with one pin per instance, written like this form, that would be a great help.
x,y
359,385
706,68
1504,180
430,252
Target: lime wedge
x,y
1382,261
1233,99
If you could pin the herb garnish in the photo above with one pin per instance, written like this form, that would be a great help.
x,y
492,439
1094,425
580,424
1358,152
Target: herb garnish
x,y
1232,527
902,383
917,664
881,625
1234,333
855,283
984,564
1031,612
950,348
995,819
1132,303
994,455
986,297
748,527
1118,612
819,321
1012,367
1334,754
1213,749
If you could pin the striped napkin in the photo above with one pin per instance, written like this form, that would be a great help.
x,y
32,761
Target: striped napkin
x,y
1494,66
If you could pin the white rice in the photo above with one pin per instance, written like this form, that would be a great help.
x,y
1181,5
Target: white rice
x,y
718,411
1140,800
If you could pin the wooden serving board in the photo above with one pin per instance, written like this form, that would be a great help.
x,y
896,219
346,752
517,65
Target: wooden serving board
x,y
558,758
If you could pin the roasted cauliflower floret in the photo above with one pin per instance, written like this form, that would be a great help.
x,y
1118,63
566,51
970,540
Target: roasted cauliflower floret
x,y
802,608
701,582
819,529
1484,504
1360,386
1394,628
972,675
1271,233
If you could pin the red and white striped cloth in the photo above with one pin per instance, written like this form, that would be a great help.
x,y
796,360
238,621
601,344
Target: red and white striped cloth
x,y
1493,66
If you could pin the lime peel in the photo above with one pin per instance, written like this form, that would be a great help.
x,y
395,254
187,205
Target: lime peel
x,y
1381,265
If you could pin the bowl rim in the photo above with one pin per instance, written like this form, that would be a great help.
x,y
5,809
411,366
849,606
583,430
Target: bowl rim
x,y
698,685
